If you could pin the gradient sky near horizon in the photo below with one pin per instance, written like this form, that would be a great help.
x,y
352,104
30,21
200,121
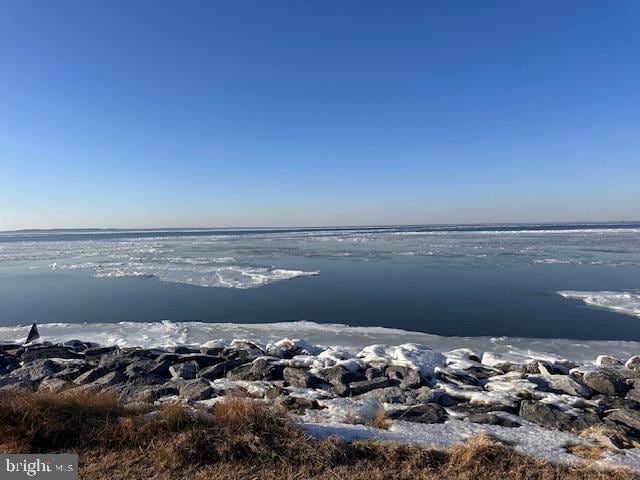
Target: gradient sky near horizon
x,y
254,113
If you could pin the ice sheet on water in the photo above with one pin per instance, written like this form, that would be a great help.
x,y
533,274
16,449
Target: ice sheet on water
x,y
245,259
621,302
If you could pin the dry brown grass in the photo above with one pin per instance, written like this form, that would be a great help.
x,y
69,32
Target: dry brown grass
x,y
240,439
588,452
380,421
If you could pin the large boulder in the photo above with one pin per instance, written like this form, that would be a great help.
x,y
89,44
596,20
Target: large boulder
x,y
491,419
387,395
54,351
111,378
561,384
551,416
90,376
186,370
37,370
218,371
94,355
8,363
607,382
15,384
300,377
626,416
510,362
259,369
424,413
364,386
633,363
607,360
339,377
408,378
429,395
468,408
72,372
202,360
456,377
296,405
181,349
197,389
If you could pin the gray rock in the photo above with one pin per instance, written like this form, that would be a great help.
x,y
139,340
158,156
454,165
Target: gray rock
x,y
625,416
218,371
248,345
364,386
115,361
468,408
607,382
491,419
550,416
606,403
296,404
91,376
93,354
429,395
338,376
187,370
181,349
144,378
607,360
373,372
300,377
36,353
36,370
128,392
408,377
197,389
456,377
213,351
203,361
259,369
634,390
424,413
79,345
17,385
482,372
70,373
10,347
387,395
561,384
141,366
152,393
8,363
161,367
110,378
633,363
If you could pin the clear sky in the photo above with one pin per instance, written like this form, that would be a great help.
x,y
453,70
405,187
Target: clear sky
x,y
249,113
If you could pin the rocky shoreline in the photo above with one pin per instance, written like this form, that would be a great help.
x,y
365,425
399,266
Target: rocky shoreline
x,y
378,384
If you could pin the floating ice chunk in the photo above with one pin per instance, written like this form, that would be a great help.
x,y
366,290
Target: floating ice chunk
x,y
412,355
627,303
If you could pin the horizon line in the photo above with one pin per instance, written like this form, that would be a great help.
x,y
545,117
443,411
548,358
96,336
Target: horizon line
x,y
319,227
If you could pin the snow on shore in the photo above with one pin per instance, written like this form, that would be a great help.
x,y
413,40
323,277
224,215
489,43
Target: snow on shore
x,y
343,337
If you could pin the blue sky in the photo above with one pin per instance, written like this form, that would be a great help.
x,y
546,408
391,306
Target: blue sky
x,y
241,113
